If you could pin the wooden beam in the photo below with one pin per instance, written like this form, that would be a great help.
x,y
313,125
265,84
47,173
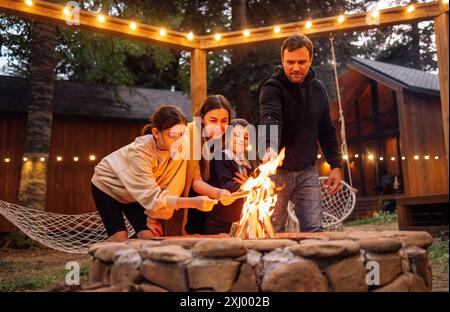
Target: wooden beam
x,y
323,26
53,13
198,78
441,29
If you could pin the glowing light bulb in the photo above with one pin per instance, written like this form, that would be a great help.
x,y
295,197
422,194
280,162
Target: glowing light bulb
x,y
25,159
217,37
7,160
42,159
341,19
403,157
76,159
319,156
381,158
393,158
276,29
436,157
58,158
190,36
345,157
410,8
133,25
246,33
29,2
66,11
356,155
162,32
92,157
308,24
416,157
370,157
101,18
427,157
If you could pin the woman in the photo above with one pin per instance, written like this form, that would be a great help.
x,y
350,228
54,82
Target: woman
x,y
145,179
214,117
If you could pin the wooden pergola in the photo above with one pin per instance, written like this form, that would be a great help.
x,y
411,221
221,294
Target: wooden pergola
x,y
200,45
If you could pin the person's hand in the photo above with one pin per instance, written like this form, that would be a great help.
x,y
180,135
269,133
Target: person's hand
x,y
240,178
204,203
224,197
155,227
334,181
269,155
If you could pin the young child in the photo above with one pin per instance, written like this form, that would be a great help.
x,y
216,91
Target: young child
x,y
228,172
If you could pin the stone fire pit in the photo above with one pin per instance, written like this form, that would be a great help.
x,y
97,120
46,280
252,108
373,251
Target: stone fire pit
x,y
338,261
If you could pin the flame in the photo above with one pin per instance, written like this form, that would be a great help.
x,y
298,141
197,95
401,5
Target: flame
x,y
262,198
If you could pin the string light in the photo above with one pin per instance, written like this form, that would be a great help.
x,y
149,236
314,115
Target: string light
x,y
416,157
393,158
403,157
7,160
75,159
58,158
25,159
341,19
42,159
370,157
249,147
190,35
277,29
345,157
356,155
217,37
101,18
66,11
381,158
319,156
162,32
308,24
246,33
436,157
133,26
410,8
92,157
427,157
29,2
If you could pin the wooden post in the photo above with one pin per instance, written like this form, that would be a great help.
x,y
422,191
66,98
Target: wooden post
x,y
198,78
441,29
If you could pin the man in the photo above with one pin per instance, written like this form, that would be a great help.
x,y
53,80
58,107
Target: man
x,y
295,101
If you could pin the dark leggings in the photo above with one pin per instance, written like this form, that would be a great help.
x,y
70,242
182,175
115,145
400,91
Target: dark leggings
x,y
111,211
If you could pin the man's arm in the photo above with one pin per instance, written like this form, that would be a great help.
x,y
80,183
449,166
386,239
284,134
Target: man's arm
x,y
330,146
271,114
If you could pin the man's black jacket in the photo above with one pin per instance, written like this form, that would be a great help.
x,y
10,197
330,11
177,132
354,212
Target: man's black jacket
x,y
303,115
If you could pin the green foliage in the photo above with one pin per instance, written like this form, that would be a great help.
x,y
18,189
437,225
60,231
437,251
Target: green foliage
x,y
381,217
20,277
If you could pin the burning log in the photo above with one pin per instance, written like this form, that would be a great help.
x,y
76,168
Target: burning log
x,y
258,207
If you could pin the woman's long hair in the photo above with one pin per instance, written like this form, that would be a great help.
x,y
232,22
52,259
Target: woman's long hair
x,y
212,102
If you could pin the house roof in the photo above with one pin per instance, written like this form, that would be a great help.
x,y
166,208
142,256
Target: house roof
x,y
77,99
408,78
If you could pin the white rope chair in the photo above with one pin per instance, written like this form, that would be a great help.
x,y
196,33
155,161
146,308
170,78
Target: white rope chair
x,y
68,233
336,208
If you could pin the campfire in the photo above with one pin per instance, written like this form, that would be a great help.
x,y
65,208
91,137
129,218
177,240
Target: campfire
x,y
258,207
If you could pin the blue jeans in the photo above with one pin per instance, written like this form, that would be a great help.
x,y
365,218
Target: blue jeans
x,y
302,188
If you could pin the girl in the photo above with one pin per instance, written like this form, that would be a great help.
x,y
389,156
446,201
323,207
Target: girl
x,y
145,179
214,115
229,171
